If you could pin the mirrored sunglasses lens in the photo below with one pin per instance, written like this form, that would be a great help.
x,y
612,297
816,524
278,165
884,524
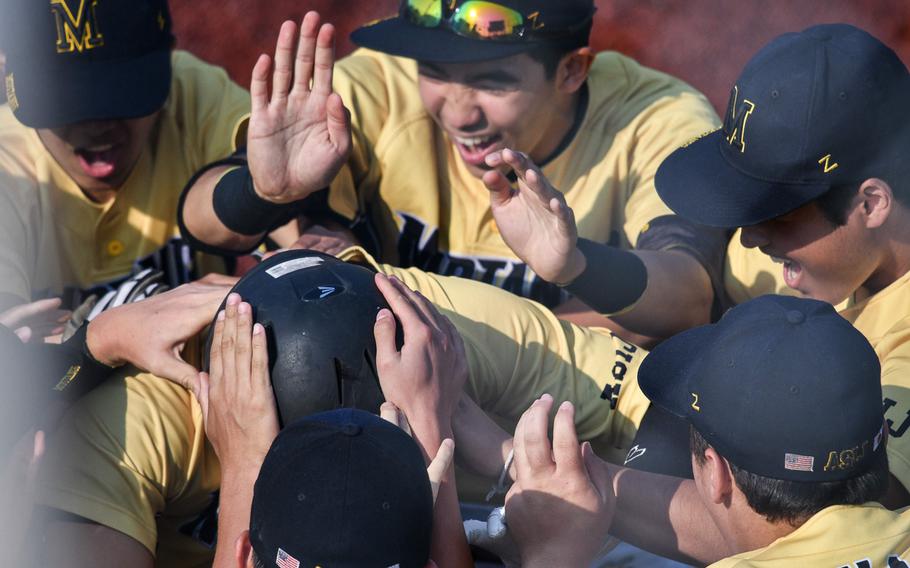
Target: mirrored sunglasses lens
x,y
486,20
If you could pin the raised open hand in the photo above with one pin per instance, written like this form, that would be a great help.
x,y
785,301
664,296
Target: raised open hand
x,y
534,219
561,506
299,138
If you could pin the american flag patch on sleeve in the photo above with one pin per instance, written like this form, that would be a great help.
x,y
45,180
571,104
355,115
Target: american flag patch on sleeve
x,y
797,462
285,560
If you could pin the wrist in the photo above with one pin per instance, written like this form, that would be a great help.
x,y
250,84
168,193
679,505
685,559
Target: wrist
x,y
574,267
240,206
102,346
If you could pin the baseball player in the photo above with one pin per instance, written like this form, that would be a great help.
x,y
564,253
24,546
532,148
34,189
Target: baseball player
x,y
242,418
787,447
147,480
831,226
435,91
60,374
104,125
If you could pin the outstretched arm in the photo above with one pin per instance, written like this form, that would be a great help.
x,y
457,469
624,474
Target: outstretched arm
x,y
654,293
241,419
298,139
425,379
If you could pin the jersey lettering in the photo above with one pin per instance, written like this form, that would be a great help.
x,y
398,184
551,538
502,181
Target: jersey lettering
x,y
418,246
618,372
76,31
905,421
894,561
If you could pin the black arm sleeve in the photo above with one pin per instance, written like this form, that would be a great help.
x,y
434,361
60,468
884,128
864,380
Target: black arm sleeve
x,y
707,245
613,280
35,375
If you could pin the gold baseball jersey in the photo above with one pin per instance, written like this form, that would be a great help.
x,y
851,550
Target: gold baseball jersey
x,y
410,198
131,455
842,536
884,318
52,237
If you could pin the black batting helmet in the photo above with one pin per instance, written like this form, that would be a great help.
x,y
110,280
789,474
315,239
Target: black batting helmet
x,y
318,313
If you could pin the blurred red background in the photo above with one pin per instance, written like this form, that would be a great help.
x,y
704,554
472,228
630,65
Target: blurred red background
x,y
705,42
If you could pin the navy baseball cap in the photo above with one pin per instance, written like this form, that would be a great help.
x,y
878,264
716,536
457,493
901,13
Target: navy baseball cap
x,y
782,387
342,488
812,110
70,61
452,31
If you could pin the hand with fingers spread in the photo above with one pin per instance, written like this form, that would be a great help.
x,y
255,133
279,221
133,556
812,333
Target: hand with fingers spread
x,y
298,139
35,320
562,503
150,334
534,219
239,413
441,461
425,379
238,406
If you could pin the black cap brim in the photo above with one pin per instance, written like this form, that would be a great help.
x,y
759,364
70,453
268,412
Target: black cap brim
x,y
664,375
699,184
92,90
396,36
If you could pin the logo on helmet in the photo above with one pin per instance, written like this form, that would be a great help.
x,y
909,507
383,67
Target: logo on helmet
x,y
323,292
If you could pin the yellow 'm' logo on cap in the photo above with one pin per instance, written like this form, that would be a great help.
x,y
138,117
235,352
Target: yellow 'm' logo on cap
x,y
11,93
76,31
737,119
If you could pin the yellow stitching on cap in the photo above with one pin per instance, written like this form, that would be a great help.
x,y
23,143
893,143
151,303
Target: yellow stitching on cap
x,y
11,93
695,402
827,163
77,32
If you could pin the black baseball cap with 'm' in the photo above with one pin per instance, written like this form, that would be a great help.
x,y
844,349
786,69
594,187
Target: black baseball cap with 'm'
x,y
812,110
70,61
454,31
343,488
782,387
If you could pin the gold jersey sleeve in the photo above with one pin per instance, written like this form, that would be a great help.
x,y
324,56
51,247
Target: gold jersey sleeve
x,y
518,350
132,455
418,205
52,236
858,536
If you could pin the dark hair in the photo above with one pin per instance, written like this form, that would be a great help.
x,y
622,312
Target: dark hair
x,y
549,55
256,562
836,202
794,501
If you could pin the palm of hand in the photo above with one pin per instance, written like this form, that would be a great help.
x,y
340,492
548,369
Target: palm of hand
x,y
292,151
540,236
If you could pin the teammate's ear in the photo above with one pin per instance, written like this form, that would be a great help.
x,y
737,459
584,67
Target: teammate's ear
x,y
573,70
243,551
878,200
719,482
